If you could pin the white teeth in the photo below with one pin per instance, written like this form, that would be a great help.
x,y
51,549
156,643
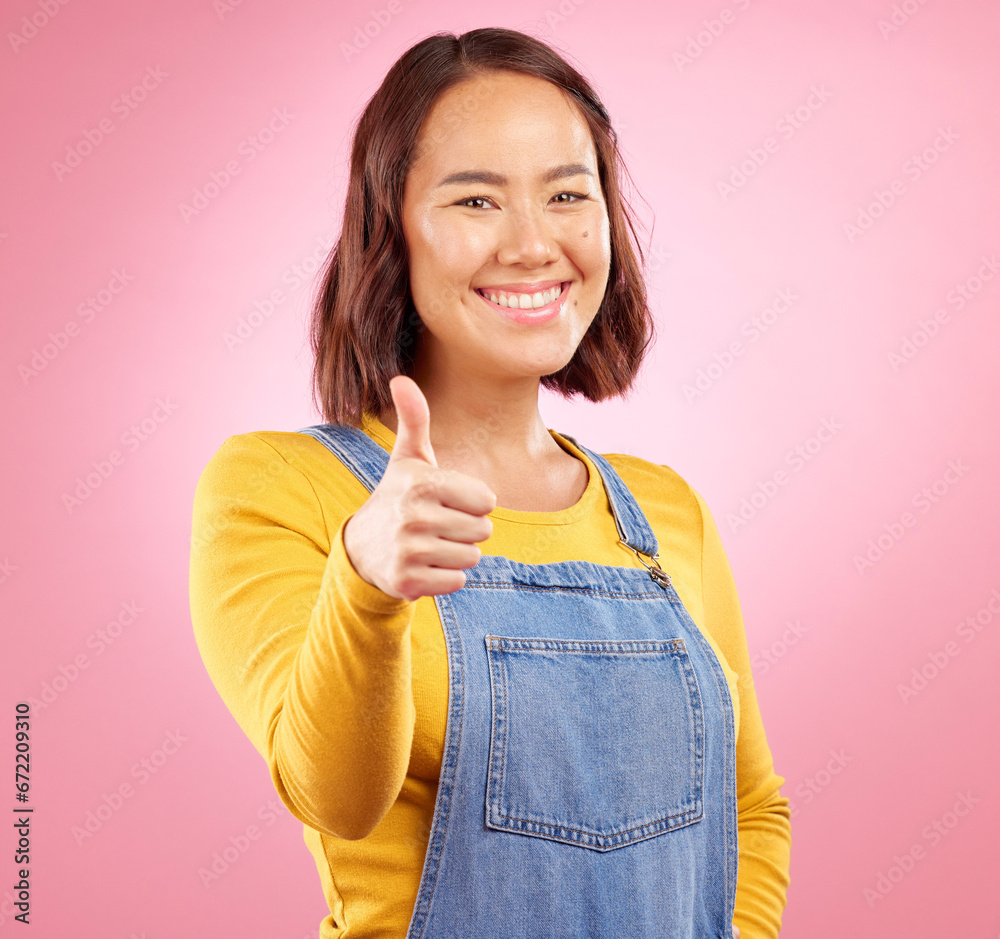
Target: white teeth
x,y
525,301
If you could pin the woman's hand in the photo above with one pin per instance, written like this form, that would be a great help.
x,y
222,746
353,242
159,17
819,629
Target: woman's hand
x,y
736,932
418,530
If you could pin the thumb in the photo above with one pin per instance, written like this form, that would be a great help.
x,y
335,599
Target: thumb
x,y
413,421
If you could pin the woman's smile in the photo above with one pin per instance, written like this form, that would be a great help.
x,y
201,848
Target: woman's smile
x,y
527,303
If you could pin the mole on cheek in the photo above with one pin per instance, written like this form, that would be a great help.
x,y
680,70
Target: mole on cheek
x,y
585,234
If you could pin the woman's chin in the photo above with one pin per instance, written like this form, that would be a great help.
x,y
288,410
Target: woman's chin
x,y
541,367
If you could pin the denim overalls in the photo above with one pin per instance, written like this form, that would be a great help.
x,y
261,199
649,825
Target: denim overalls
x,y
588,780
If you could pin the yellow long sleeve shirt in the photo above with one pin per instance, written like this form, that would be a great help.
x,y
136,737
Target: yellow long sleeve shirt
x,y
343,689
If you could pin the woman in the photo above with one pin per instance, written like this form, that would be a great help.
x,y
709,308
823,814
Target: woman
x,y
444,626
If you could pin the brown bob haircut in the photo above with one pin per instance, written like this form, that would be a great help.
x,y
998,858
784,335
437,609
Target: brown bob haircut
x,y
365,327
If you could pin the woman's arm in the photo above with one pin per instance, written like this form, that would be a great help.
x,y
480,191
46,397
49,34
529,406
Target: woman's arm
x,y
764,815
311,660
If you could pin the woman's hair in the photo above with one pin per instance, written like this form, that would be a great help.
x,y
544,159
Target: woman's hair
x,y
364,325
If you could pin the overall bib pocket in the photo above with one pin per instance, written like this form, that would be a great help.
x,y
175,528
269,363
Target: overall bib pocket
x,y
594,743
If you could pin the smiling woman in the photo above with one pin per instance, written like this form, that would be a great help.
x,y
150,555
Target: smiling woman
x,y
446,627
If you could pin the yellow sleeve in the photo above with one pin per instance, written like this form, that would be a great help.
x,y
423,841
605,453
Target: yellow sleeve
x,y
765,827
311,660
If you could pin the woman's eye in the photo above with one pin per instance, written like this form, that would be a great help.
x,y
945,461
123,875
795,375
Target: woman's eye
x,y
562,198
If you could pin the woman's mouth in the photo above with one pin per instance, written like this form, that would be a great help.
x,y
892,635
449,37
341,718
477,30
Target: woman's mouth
x,y
531,307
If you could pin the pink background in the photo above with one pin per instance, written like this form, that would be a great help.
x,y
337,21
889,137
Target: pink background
x,y
829,688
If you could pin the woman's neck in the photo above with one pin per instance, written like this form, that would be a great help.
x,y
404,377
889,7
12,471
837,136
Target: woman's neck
x,y
485,427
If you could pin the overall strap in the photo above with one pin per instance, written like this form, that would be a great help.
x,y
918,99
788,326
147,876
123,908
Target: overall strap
x,y
355,449
633,527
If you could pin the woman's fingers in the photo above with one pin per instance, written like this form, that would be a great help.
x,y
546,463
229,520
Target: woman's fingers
x,y
450,488
440,553
413,422
430,518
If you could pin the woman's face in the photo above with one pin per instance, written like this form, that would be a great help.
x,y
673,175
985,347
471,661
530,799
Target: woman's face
x,y
502,203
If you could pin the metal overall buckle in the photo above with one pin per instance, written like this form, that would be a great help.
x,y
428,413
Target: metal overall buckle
x,y
659,575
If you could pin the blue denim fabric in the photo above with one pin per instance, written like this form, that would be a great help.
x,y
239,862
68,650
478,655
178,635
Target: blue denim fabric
x,y
588,781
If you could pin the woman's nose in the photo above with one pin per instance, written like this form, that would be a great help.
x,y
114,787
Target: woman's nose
x,y
527,239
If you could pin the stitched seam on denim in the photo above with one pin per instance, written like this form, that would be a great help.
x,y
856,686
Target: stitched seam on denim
x,y
586,591
613,646
450,755
693,813
492,781
725,694
506,730
729,745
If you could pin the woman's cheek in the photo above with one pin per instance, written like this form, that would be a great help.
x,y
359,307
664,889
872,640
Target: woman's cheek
x,y
592,240
453,246
476,245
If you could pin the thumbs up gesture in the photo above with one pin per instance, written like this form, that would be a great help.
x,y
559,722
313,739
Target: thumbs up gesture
x,y
418,530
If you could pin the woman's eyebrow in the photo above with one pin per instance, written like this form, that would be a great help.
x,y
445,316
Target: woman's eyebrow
x,y
496,179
